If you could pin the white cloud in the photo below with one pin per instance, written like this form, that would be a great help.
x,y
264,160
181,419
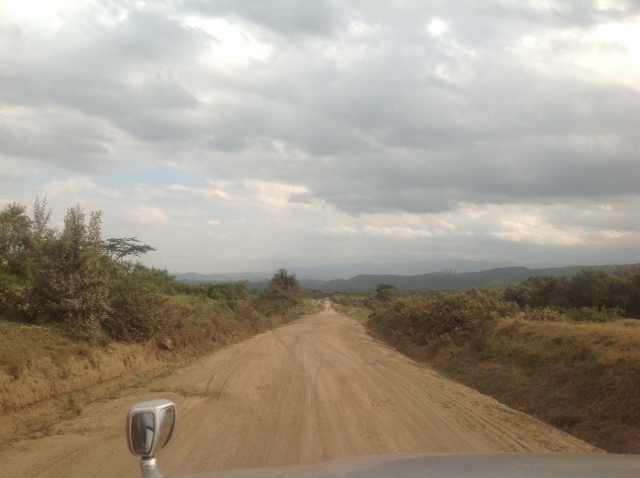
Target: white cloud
x,y
47,13
339,230
616,56
144,192
533,230
74,186
178,188
149,215
437,27
213,194
231,43
529,41
396,231
271,194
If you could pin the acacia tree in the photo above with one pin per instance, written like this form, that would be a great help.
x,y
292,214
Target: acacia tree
x,y
283,293
73,277
119,248
284,282
386,292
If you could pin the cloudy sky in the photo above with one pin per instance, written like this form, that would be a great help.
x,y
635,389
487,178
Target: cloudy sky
x,y
247,135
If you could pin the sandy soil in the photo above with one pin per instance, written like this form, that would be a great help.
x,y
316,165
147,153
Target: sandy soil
x,y
315,390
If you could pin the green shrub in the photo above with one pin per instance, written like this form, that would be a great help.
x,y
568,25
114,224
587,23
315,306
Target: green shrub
x,y
12,297
71,278
544,314
592,314
283,294
432,318
349,300
137,316
589,288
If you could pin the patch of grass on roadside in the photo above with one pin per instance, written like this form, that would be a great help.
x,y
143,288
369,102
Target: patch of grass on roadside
x,y
581,378
354,305
201,325
71,407
22,343
361,314
311,306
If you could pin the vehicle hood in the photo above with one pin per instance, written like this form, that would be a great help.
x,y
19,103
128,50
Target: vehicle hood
x,y
500,465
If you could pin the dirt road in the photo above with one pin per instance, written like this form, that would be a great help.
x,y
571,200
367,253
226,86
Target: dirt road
x,y
315,390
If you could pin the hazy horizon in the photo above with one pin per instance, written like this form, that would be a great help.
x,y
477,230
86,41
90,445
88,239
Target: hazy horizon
x,y
348,270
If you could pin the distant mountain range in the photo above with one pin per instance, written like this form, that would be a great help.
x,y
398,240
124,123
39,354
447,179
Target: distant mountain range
x,y
328,272
469,275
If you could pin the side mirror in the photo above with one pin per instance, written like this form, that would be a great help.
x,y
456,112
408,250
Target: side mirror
x,y
150,426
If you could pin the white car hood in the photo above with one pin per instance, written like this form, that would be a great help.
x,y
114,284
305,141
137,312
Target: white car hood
x,y
499,465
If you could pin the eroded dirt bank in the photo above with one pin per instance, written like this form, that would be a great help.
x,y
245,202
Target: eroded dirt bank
x,y
315,390
43,378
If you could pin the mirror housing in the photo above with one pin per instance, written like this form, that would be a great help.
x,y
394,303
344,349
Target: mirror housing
x,y
150,426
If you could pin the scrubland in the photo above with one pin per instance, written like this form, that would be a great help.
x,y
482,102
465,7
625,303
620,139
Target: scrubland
x,y
76,310
580,376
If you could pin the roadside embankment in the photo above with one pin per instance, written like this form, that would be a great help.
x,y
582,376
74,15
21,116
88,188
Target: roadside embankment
x,y
39,363
43,378
581,378
315,390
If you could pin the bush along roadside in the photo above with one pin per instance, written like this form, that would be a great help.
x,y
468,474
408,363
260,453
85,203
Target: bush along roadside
x,y
38,362
436,319
92,289
69,292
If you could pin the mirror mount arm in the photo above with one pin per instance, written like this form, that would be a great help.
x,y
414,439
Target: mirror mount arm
x,y
149,468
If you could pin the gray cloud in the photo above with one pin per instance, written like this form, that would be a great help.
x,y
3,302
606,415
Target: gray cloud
x,y
285,17
359,104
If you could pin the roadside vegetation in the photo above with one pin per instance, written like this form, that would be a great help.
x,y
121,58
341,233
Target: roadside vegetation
x,y
69,292
565,350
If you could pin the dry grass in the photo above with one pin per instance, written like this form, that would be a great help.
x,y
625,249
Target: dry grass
x,y
196,322
582,378
361,314
21,343
200,325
